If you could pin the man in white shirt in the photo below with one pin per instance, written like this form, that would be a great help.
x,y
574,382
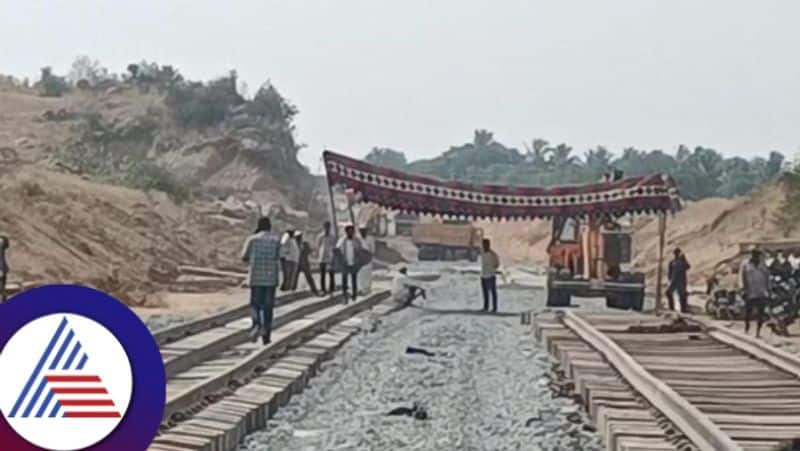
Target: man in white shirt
x,y
325,244
365,273
290,255
403,290
349,245
794,260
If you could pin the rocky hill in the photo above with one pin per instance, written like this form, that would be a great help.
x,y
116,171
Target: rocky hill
x,y
117,183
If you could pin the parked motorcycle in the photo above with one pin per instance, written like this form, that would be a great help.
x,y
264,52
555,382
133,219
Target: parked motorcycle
x,y
782,309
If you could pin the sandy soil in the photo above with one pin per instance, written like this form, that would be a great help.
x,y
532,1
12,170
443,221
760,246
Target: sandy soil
x,y
178,307
126,242
21,128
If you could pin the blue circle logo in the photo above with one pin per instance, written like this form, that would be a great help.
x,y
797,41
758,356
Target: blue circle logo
x,y
78,371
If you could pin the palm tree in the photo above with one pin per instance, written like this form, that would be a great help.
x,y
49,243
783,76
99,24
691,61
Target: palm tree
x,y
560,157
537,152
482,139
598,160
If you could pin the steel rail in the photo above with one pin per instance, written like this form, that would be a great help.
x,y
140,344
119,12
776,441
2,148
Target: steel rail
x,y
697,427
284,314
757,349
244,367
182,330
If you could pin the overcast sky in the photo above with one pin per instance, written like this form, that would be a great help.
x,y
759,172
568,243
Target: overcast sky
x,y
420,76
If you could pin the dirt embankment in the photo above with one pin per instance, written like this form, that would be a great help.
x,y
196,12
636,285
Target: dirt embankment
x,y
708,231
126,242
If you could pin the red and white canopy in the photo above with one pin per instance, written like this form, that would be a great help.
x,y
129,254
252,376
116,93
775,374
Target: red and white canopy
x,y
426,195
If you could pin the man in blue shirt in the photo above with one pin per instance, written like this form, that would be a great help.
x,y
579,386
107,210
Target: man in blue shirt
x,y
262,252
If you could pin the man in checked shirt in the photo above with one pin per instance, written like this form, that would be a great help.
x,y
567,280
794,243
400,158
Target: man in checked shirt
x,y
262,252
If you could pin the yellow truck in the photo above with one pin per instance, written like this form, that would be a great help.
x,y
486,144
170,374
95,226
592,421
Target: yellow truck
x,y
447,242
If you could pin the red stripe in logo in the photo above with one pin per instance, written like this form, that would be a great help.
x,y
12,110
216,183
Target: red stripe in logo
x,y
92,414
73,378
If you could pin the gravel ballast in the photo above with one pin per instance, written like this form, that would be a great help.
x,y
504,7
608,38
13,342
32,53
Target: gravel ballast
x,y
486,387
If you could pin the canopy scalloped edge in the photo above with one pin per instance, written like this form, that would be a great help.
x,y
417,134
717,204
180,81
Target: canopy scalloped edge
x,y
412,193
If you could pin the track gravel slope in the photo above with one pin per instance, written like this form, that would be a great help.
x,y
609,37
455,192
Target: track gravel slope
x,y
485,389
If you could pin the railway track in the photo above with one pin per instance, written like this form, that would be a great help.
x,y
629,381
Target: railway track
x,y
221,386
650,383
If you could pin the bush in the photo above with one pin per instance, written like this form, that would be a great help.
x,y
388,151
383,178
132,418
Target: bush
x,y
199,105
270,105
51,85
146,175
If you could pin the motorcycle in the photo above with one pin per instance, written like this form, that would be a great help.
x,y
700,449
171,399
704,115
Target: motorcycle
x,y
784,302
782,309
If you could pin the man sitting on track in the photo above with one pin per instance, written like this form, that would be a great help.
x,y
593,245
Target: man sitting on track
x,y
403,290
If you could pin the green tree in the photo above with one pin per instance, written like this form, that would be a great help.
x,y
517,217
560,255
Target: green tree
x,y
700,173
597,161
51,85
384,156
538,153
774,164
561,157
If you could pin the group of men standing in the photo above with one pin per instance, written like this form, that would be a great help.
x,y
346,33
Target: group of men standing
x,y
271,257
295,259
755,279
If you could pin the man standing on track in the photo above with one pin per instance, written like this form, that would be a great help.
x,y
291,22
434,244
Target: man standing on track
x,y
349,245
303,264
489,264
262,252
325,244
677,276
290,254
755,279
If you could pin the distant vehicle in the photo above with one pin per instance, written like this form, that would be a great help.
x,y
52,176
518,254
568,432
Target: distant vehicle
x,y
447,241
586,258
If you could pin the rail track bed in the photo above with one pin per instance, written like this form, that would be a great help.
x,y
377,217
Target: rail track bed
x,y
221,386
656,384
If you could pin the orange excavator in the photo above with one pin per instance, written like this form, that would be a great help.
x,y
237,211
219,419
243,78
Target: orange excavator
x,y
586,257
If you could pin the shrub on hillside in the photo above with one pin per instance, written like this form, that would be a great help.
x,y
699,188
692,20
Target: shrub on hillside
x,y
269,104
201,105
52,85
146,175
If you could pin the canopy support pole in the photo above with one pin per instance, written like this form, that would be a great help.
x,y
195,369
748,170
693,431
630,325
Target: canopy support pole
x,y
350,209
335,224
662,227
